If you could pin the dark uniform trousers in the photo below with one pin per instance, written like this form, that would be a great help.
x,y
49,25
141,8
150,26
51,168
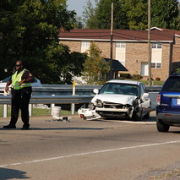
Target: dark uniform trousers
x,y
20,101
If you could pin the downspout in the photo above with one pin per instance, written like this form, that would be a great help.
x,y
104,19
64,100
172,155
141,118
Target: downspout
x,y
170,57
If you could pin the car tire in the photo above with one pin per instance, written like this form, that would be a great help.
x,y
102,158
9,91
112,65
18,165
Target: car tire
x,y
137,115
138,111
162,127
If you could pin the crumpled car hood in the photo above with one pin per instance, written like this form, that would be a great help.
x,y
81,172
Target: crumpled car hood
x,y
114,98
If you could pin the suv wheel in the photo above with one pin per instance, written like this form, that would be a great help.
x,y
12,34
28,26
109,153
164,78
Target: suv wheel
x,y
162,127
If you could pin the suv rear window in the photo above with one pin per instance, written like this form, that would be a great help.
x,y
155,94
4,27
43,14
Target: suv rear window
x,y
172,84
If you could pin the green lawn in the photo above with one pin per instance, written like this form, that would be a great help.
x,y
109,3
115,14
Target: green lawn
x,y
160,83
146,82
36,111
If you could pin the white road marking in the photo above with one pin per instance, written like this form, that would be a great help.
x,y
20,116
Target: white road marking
x,y
88,153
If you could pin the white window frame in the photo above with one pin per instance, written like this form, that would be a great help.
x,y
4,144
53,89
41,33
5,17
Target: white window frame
x,y
156,65
120,45
144,69
85,45
121,52
157,45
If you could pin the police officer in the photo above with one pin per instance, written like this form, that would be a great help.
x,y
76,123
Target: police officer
x,y
21,91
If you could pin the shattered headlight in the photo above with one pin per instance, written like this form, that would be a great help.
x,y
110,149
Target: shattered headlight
x,y
91,106
99,103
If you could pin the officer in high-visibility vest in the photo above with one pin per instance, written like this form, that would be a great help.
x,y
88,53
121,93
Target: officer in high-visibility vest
x,y
21,91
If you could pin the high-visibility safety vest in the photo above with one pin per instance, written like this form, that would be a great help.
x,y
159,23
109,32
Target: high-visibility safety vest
x,y
16,78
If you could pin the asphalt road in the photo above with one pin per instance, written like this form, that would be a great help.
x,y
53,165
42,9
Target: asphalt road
x,y
89,150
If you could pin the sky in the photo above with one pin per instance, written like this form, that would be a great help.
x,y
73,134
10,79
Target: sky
x,y
78,5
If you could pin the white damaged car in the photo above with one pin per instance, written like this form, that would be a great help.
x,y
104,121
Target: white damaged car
x,y
118,99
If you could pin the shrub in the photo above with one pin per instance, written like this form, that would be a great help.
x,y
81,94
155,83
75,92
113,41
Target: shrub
x,y
136,76
151,79
178,70
158,79
125,76
121,78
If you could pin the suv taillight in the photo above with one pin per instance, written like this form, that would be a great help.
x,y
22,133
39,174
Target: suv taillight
x,y
158,99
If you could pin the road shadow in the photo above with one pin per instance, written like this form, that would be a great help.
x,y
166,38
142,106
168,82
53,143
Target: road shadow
x,y
173,131
50,128
68,128
6,174
151,119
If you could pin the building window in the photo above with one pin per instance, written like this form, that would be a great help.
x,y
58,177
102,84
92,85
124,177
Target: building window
x,y
156,45
85,45
120,52
156,65
120,45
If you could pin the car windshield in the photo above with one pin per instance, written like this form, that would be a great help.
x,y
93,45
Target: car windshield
x,y
119,88
172,84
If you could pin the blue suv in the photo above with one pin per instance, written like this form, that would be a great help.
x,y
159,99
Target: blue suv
x,y
168,104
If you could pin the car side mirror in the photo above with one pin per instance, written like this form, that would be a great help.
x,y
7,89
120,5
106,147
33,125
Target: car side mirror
x,y
96,91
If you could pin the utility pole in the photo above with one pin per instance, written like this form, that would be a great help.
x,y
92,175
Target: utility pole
x,y
149,41
111,51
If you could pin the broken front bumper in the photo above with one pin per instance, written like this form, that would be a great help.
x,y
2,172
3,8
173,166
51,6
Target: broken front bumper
x,y
88,114
113,112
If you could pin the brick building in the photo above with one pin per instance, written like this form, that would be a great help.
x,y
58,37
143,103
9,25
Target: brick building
x,y
130,48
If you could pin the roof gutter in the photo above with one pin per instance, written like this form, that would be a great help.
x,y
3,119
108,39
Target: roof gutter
x,y
114,40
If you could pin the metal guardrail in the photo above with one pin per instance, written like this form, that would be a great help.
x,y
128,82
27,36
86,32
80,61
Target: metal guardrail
x,y
76,99
69,99
153,88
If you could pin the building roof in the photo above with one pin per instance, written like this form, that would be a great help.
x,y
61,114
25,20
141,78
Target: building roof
x,y
157,34
116,65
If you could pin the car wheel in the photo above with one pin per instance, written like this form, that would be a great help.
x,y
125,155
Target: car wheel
x,y
138,111
137,115
162,127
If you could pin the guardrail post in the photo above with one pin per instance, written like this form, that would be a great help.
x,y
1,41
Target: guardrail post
x,y
52,106
30,109
73,93
5,110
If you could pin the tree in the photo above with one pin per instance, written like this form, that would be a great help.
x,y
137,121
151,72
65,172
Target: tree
x,y
165,14
136,13
89,15
29,31
100,17
95,67
132,14
62,64
79,24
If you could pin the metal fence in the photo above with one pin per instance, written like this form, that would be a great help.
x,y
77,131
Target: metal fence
x,y
52,100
